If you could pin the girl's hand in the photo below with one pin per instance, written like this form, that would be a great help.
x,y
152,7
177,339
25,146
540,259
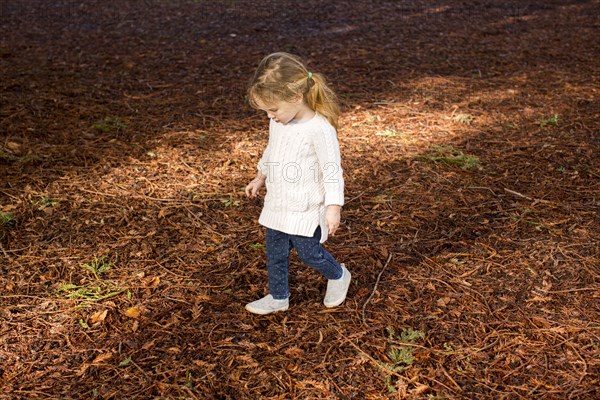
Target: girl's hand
x,y
254,186
332,218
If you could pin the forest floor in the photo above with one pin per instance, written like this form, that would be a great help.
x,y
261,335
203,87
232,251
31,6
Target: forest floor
x,y
470,137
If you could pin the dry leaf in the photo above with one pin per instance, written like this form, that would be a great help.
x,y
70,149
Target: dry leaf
x,y
201,363
99,316
420,390
81,371
9,207
443,301
100,358
314,383
153,282
149,345
133,312
384,252
539,299
48,210
14,146
294,351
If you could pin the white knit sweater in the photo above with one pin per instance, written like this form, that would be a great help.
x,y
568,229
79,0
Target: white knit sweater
x,y
304,175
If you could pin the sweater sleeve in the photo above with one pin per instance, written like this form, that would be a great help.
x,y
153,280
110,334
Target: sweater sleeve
x,y
327,148
262,167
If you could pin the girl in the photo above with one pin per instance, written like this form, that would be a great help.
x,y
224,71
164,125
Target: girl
x,y
302,172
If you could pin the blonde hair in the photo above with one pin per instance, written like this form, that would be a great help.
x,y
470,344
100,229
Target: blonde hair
x,y
283,77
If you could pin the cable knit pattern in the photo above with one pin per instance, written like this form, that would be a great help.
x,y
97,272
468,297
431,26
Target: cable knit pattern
x,y
304,175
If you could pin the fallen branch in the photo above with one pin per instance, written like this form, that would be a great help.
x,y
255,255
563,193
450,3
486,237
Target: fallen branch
x,y
526,197
4,251
375,287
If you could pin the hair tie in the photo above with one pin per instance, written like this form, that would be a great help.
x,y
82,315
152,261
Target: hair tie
x,y
310,75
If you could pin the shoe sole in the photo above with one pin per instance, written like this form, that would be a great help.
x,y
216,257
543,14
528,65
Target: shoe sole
x,y
264,312
337,303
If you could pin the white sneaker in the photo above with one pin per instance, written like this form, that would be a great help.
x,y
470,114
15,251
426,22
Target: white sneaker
x,y
268,305
337,289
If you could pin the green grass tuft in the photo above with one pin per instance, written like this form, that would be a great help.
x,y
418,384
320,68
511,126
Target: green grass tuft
x,y
98,266
400,355
552,121
463,118
230,202
6,220
108,125
387,133
449,155
94,290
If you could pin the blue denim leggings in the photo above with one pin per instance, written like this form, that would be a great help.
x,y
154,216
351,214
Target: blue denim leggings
x,y
310,251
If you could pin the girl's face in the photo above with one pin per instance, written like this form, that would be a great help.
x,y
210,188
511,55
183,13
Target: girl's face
x,y
285,111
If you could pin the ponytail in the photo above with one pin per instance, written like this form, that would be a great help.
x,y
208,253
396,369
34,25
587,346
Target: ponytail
x,y
322,99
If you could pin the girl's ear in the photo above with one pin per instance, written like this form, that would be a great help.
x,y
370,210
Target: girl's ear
x,y
298,98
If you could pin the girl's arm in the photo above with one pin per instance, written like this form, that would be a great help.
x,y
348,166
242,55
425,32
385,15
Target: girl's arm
x,y
252,189
327,148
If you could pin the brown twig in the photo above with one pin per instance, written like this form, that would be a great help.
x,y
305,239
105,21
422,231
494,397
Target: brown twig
x,y
375,287
526,197
3,251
